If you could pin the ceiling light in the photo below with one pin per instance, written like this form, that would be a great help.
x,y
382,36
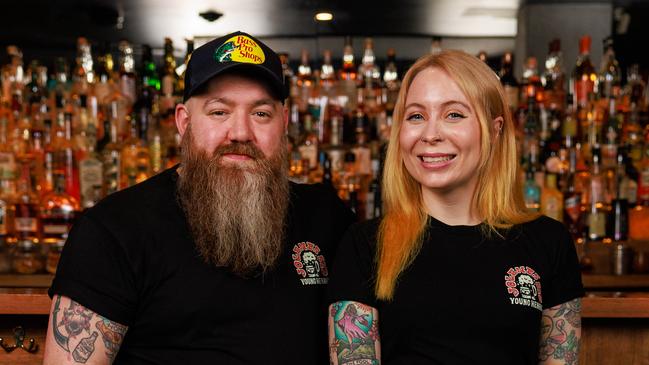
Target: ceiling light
x,y
324,16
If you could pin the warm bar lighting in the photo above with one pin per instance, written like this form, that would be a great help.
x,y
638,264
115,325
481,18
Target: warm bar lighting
x,y
324,16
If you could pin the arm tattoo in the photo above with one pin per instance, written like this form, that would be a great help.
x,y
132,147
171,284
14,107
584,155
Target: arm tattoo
x,y
76,323
353,334
561,332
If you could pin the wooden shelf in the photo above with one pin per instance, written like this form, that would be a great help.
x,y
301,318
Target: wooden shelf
x,y
25,281
618,282
24,301
615,305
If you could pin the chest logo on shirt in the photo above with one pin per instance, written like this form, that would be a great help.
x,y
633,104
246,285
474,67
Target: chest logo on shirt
x,y
524,287
310,264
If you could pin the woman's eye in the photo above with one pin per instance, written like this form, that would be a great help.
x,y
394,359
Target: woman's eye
x,y
455,115
415,117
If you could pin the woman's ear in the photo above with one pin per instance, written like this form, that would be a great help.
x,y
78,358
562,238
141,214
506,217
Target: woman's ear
x,y
498,124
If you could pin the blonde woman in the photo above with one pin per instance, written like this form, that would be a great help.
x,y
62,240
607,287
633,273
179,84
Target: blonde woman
x,y
456,271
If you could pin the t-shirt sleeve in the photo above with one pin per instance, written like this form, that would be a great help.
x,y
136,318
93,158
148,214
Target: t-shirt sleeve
x,y
94,272
351,277
564,283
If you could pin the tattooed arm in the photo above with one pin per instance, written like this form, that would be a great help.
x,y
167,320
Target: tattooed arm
x,y
354,334
560,334
77,335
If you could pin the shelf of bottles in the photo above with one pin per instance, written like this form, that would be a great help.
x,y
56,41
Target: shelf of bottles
x,y
67,139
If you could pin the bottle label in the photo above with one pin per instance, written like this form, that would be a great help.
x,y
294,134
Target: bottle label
x,y
26,224
55,229
512,96
7,165
572,206
309,153
90,176
643,184
596,225
582,89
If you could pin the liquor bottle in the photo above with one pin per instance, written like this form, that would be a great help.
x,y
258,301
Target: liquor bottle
x,y
25,209
632,136
531,153
348,75
104,86
135,158
305,81
553,78
618,221
609,78
112,162
634,89
369,76
436,45
611,137
7,196
552,199
327,176
58,211
508,80
391,81
643,179
583,76
373,196
150,78
327,74
531,192
127,78
308,147
531,86
90,176
597,211
169,86
572,206
626,178
84,74
180,70
85,348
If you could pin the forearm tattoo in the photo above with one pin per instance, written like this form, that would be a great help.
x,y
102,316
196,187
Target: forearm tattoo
x,y
76,322
353,334
561,333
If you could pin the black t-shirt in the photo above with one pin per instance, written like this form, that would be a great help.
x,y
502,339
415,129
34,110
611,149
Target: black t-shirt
x,y
465,299
131,259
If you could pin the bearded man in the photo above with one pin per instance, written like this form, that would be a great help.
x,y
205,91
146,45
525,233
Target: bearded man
x,y
203,263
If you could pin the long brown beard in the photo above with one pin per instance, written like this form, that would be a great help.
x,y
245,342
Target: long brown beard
x,y
236,213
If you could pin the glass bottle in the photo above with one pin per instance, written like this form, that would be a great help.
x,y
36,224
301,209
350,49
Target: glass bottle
x,y
58,211
104,86
180,70
597,212
572,202
583,76
26,257
127,77
391,80
112,161
305,81
150,78
508,80
609,78
552,199
348,76
531,192
553,78
84,74
327,74
169,77
27,224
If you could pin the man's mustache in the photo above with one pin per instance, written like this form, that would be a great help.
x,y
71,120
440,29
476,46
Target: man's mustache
x,y
239,148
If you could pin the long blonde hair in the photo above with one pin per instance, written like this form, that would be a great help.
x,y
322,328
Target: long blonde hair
x,y
498,196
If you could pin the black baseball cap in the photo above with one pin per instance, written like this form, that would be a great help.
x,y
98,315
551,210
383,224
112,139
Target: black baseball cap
x,y
239,51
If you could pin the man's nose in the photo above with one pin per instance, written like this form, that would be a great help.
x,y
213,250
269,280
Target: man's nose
x,y
240,130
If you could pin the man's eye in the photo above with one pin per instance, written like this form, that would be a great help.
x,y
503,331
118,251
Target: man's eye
x,y
217,112
262,114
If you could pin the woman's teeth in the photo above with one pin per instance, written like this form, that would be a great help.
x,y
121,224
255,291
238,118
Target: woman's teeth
x,y
429,159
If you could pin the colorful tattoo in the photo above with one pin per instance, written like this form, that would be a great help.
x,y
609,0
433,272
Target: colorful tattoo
x,y
561,332
112,334
76,321
353,334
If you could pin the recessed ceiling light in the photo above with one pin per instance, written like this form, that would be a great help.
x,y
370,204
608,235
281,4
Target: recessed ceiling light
x,y
324,16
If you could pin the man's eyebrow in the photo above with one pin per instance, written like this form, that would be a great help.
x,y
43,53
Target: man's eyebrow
x,y
222,100
265,101
229,102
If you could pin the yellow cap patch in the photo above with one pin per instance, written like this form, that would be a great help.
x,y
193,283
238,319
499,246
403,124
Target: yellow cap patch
x,y
240,49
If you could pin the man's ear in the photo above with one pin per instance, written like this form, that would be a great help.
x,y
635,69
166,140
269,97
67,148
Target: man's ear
x,y
182,118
